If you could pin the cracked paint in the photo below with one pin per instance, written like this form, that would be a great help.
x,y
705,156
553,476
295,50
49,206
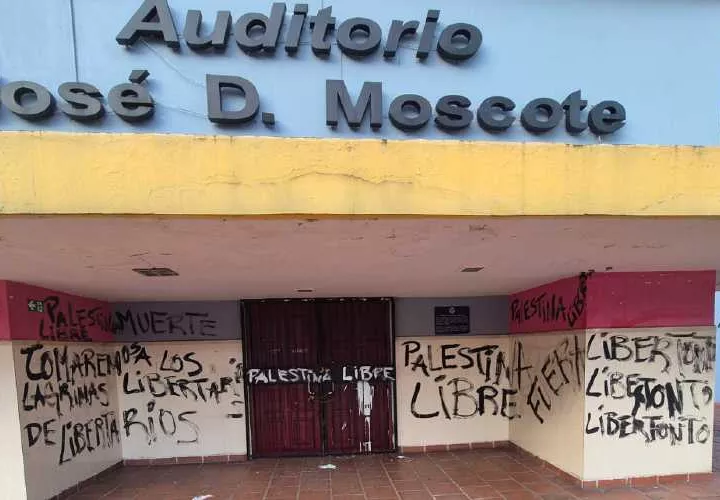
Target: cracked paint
x,y
199,175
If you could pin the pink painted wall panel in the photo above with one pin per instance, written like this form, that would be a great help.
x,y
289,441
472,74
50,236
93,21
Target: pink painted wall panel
x,y
616,300
637,300
560,305
4,313
40,314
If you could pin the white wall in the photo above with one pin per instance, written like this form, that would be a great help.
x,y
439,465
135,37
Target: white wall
x,y
550,383
677,361
12,472
77,409
68,414
183,399
180,399
464,417
508,396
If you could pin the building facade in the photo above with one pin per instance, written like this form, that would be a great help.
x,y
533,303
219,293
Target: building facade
x,y
272,230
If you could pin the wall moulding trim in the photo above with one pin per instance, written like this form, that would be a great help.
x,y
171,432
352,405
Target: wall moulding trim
x,y
209,459
606,484
203,175
85,482
432,448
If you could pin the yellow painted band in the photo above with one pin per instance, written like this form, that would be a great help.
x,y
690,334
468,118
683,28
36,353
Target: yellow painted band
x,y
64,173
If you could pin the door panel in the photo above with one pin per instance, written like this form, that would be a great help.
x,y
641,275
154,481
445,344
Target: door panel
x,y
282,335
356,332
344,428
334,338
382,428
285,421
359,418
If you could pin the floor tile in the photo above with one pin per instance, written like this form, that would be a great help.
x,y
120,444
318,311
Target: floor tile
x,y
466,475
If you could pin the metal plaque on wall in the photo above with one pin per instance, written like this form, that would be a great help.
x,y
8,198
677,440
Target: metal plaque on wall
x,y
452,320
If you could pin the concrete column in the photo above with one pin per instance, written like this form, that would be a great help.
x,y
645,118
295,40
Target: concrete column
x,y
645,413
60,409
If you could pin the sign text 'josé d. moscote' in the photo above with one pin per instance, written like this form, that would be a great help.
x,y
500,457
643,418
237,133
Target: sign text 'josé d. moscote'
x,y
356,38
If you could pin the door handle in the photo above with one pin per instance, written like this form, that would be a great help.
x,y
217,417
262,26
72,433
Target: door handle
x,y
311,394
324,398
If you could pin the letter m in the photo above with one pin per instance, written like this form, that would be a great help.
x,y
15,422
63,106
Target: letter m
x,y
337,98
120,320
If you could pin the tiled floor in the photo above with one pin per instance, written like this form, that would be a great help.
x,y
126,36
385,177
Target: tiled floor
x,y
498,474
482,474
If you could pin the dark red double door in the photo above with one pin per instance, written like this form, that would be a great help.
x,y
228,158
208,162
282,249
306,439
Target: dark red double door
x,y
320,376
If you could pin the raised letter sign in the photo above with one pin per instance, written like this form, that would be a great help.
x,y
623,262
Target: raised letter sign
x,y
337,98
152,19
215,86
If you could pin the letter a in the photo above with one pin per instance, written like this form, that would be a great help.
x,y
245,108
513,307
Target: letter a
x,y
152,19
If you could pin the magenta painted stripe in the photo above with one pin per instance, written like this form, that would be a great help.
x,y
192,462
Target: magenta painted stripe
x,y
637,300
560,305
617,300
48,316
4,312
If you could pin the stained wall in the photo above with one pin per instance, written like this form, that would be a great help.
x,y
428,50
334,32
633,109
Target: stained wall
x,y
69,416
649,351
550,383
480,391
183,395
453,390
559,385
65,381
649,402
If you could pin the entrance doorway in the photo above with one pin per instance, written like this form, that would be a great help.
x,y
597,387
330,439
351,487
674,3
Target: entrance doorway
x,y
320,376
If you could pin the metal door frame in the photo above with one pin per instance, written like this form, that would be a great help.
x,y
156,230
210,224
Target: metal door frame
x,y
249,414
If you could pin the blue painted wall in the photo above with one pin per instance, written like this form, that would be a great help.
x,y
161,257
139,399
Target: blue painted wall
x,y
659,60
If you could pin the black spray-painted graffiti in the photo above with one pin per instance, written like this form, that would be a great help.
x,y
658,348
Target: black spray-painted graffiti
x,y
76,437
183,376
458,397
551,308
64,379
186,324
62,321
671,407
562,368
508,382
338,374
